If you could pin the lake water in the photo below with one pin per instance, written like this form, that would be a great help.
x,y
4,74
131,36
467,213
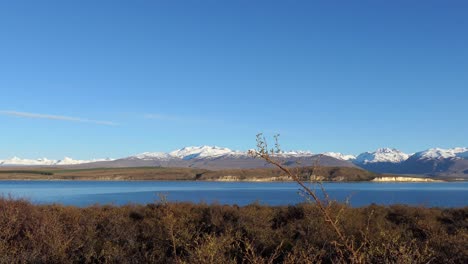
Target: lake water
x,y
83,193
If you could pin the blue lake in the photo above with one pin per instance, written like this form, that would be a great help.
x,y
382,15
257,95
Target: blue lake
x,y
83,193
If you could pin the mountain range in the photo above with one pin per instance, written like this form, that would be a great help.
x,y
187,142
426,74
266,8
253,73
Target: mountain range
x,y
433,162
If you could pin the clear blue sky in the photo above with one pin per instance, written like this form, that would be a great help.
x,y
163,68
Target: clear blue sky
x,y
112,78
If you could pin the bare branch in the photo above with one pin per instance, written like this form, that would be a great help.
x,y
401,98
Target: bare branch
x,y
323,205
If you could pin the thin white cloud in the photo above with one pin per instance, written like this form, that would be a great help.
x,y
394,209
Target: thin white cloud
x,y
161,117
56,117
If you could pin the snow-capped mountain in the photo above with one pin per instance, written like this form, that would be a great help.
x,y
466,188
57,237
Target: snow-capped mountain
x,y
438,161
339,156
435,161
383,160
389,155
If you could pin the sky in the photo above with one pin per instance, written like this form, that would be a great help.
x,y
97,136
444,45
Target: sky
x,y
93,79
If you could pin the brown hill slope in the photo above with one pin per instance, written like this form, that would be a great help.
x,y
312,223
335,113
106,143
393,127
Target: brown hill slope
x,y
160,173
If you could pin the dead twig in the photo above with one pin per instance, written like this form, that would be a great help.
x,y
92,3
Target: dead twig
x,y
324,205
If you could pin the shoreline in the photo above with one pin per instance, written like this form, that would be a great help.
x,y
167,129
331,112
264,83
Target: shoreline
x,y
404,179
255,180
330,174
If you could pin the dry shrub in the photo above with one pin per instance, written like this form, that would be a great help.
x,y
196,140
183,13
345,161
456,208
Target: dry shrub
x,y
200,233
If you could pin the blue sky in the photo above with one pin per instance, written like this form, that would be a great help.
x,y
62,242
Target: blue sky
x,y
112,78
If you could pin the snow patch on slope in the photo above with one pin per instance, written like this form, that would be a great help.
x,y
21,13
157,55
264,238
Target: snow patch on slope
x,y
70,161
189,153
152,156
15,161
439,153
204,152
295,153
339,156
28,162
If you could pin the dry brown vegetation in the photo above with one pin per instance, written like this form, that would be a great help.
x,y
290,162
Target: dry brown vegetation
x,y
158,173
144,173
200,233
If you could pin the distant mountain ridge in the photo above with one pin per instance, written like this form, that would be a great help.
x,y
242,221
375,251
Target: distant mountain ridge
x,y
435,161
15,161
214,157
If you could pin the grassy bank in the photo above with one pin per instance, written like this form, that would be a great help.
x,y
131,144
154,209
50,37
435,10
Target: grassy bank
x,y
199,233
159,173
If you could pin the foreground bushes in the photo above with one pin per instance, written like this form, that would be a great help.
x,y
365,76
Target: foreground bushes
x,y
199,233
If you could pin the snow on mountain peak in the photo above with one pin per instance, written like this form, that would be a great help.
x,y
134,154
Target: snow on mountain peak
x,y
27,162
382,155
70,161
15,161
295,153
439,153
339,156
200,152
152,155
188,153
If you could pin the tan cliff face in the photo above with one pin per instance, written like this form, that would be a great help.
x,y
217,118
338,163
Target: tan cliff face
x,y
404,179
230,178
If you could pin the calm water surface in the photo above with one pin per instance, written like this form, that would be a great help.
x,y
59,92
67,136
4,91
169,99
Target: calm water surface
x,y
83,193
